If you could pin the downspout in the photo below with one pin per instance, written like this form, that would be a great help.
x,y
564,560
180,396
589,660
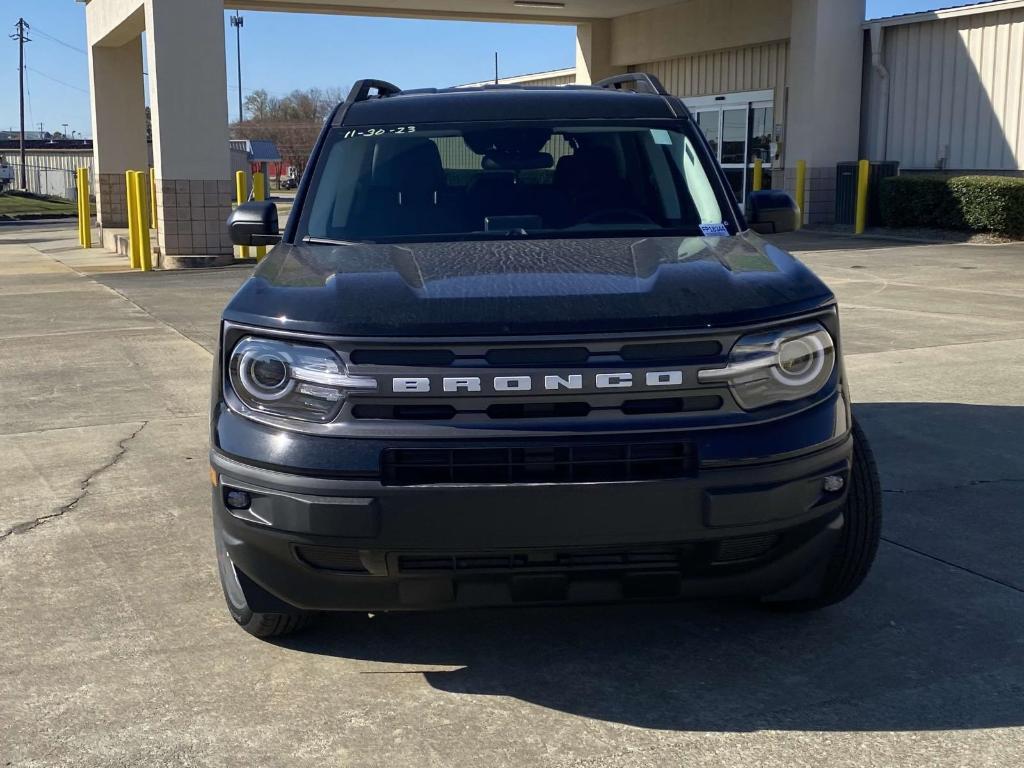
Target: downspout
x,y
878,63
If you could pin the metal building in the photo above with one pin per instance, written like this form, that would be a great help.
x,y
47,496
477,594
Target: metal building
x,y
945,90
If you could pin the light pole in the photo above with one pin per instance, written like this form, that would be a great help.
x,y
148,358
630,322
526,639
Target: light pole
x,y
238,22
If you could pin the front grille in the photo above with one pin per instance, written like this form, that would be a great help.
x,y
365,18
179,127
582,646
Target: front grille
x,y
608,462
539,409
570,560
511,356
575,365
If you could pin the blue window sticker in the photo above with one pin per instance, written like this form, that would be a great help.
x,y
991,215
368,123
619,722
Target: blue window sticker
x,y
714,230
661,136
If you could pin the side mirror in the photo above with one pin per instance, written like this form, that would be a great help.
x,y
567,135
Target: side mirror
x,y
254,223
771,211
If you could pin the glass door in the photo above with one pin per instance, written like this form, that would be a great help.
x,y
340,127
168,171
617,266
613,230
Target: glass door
x,y
733,155
740,127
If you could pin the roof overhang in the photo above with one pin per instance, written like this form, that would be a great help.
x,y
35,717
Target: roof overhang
x,y
995,6
533,11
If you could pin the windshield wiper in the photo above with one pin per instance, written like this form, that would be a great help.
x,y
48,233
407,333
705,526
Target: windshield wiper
x,y
310,240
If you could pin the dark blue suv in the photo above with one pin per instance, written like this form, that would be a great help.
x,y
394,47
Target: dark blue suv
x,y
520,345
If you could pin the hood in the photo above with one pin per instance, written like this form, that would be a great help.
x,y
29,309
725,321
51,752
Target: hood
x,y
513,287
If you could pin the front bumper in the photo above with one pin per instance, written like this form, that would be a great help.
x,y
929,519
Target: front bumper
x,y
318,543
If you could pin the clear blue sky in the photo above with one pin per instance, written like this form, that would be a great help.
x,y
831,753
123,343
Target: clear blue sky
x,y
286,51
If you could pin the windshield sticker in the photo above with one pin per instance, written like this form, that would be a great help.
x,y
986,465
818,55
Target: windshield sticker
x,y
661,136
373,132
714,230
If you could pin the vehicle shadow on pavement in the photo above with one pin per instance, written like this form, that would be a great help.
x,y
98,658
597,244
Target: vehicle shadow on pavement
x,y
932,641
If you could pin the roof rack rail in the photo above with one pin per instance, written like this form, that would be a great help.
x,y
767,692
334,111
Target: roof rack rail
x,y
361,90
641,82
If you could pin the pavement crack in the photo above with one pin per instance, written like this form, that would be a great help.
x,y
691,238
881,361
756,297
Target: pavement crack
x,y
968,484
951,564
83,488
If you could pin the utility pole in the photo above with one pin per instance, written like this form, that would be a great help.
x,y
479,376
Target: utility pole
x,y
21,26
65,134
238,22
496,78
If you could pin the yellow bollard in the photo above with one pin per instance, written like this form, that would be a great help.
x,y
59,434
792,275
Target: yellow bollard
x,y
863,174
133,222
758,175
801,186
84,209
152,198
81,216
240,197
141,210
259,192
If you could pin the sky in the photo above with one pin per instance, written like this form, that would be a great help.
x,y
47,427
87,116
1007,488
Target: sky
x,y
281,52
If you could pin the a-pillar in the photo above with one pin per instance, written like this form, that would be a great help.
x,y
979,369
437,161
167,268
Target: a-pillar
x,y
188,98
118,125
826,51
594,52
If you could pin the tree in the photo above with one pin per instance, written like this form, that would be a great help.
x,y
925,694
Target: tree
x,y
292,122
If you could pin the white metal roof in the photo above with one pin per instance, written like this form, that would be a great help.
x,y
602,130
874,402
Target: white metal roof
x,y
526,79
989,6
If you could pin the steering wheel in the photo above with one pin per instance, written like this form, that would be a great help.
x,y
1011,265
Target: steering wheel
x,y
619,216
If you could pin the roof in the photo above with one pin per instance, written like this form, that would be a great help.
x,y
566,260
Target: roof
x,y
525,79
988,6
83,146
502,102
259,150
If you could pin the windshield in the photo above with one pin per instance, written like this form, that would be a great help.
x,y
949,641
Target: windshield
x,y
482,180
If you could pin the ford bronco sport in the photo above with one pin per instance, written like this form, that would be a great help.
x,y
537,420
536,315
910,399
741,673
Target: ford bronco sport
x,y
519,346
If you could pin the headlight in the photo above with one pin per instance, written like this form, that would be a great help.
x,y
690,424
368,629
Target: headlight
x,y
294,381
776,366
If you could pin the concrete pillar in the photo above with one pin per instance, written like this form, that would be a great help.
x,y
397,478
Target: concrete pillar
x,y
826,51
594,52
188,97
118,126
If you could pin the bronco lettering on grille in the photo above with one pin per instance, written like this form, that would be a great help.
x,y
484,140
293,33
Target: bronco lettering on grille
x,y
550,383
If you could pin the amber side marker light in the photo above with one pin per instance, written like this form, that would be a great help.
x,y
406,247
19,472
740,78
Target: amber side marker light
x,y
214,480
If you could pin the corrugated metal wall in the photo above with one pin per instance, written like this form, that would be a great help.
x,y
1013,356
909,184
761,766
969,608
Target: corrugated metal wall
x,y
956,88
49,172
755,68
561,80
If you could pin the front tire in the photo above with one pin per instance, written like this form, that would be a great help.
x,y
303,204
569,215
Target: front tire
x,y
855,551
257,624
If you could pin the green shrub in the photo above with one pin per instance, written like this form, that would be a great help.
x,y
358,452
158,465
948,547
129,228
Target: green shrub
x,y
919,201
990,203
983,203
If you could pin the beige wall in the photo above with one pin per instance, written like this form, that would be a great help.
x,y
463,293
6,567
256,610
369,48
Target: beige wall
x,y
956,88
595,42
755,68
114,22
188,88
698,26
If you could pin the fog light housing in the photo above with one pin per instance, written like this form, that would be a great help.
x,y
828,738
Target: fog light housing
x,y
833,483
235,499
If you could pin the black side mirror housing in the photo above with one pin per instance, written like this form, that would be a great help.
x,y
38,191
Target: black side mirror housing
x,y
771,211
254,223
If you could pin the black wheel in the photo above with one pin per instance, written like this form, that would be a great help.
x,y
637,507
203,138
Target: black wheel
x,y
255,623
856,549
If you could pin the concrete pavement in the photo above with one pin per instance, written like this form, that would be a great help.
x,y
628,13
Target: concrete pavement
x,y
117,649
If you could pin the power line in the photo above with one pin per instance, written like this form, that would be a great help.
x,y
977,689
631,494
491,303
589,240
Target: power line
x,y
60,82
57,40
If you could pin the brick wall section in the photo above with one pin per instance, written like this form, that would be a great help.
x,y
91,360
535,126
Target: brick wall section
x,y
192,216
820,195
112,205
